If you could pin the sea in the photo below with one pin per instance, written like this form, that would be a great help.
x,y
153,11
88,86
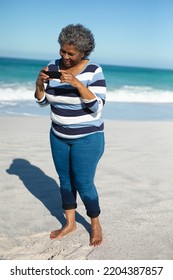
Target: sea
x,y
133,93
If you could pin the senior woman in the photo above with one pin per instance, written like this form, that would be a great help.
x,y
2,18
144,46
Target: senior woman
x,y
76,100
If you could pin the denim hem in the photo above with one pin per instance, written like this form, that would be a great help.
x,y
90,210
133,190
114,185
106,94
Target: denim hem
x,y
69,206
93,215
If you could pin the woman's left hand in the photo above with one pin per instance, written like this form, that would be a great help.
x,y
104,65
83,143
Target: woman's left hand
x,y
69,78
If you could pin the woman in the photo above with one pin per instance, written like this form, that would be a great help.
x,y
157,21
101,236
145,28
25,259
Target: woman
x,y
77,132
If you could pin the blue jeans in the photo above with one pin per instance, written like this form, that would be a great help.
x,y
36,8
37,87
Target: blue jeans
x,y
75,162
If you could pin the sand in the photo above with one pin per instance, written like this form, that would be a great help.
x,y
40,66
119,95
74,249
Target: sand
x,y
134,180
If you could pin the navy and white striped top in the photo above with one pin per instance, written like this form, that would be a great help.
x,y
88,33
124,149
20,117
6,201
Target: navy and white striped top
x,y
71,115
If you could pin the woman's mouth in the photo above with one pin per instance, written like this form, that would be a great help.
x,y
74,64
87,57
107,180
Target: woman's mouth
x,y
66,62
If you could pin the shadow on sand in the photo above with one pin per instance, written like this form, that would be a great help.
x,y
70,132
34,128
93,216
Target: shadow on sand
x,y
43,188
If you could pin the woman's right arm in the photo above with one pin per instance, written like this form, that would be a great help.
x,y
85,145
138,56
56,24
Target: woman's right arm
x,y
42,78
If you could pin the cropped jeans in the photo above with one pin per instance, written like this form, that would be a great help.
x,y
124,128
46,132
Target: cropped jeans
x,y
75,161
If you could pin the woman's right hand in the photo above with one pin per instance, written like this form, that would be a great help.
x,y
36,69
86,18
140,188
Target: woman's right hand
x,y
42,77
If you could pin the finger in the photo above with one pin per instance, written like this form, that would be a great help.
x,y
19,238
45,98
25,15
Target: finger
x,y
63,71
43,74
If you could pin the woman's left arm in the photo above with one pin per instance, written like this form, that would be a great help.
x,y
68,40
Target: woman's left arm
x,y
84,92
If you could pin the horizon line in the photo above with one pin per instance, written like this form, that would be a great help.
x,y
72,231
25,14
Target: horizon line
x,y
109,64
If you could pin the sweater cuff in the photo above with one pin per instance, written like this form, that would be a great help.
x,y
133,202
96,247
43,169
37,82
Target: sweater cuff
x,y
41,100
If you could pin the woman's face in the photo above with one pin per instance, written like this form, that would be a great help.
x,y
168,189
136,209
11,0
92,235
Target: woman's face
x,y
70,55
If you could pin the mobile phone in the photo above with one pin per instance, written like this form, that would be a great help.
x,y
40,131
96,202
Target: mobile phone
x,y
53,74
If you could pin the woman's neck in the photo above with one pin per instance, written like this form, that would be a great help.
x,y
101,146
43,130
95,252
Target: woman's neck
x,y
76,68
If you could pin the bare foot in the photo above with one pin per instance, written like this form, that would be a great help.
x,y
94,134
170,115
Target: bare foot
x,y
60,233
96,235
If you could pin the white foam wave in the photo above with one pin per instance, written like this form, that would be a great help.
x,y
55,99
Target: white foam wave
x,y
140,94
15,93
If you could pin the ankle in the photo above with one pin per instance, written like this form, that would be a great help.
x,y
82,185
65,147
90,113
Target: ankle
x,y
70,225
95,223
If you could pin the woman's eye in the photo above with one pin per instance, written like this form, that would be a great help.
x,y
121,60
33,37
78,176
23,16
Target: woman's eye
x,y
64,52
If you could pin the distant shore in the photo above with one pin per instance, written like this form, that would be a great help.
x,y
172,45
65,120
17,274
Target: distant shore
x,y
117,111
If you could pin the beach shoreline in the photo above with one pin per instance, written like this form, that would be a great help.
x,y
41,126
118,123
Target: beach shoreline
x,y
134,180
118,111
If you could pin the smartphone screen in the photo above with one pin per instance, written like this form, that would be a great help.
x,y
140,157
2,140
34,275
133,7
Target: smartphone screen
x,y
53,74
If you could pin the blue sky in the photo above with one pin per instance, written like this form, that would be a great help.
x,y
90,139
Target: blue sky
x,y
127,32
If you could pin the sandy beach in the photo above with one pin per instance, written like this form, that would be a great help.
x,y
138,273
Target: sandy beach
x,y
134,180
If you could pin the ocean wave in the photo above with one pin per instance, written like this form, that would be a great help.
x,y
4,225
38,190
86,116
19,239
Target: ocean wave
x,y
137,94
12,93
15,92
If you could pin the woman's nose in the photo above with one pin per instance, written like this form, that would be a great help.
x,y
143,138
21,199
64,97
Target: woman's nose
x,y
65,56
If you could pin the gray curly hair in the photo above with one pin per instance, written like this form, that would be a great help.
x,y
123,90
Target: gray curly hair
x,y
79,36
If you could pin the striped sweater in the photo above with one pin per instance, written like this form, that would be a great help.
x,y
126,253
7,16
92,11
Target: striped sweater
x,y
71,115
